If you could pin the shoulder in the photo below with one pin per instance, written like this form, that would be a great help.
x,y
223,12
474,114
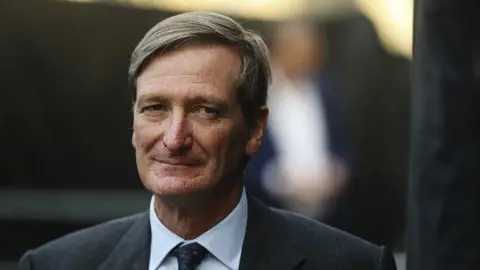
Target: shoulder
x,y
90,244
97,235
311,229
320,242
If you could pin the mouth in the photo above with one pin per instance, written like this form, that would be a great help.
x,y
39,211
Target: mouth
x,y
179,162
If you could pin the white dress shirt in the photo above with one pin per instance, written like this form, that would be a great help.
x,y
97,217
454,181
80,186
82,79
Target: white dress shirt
x,y
297,125
224,241
298,128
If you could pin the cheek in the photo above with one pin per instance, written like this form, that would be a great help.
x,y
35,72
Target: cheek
x,y
213,140
146,135
224,145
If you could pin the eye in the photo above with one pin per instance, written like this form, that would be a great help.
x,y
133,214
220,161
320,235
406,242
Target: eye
x,y
209,112
154,108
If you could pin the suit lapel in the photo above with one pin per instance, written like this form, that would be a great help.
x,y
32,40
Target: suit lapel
x,y
133,249
267,244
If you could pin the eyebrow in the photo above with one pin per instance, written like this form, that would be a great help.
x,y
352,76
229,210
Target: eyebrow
x,y
208,99
150,98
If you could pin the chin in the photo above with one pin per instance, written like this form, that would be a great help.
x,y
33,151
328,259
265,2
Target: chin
x,y
168,185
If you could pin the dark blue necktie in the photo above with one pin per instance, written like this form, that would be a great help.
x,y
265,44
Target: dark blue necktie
x,y
190,256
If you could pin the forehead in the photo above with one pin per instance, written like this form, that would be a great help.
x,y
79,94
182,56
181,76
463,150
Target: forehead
x,y
192,68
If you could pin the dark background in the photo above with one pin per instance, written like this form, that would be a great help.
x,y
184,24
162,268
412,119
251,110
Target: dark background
x,y
444,183
65,117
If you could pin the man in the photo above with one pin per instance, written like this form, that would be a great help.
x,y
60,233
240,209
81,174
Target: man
x,y
200,85
302,165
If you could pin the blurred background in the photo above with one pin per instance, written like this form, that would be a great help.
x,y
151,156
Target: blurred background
x,y
66,160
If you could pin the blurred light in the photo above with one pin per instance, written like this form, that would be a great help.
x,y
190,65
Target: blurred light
x,y
253,9
393,20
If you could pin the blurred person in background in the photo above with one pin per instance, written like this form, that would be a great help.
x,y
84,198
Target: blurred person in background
x,y
302,165
200,85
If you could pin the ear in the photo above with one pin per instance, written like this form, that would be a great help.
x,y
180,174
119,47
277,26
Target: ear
x,y
134,144
256,133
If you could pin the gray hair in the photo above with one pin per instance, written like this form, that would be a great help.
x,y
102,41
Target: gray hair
x,y
211,28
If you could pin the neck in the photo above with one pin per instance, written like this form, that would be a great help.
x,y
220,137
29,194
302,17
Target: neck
x,y
190,217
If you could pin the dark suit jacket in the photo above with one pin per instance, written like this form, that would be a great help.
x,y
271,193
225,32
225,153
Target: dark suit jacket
x,y
275,240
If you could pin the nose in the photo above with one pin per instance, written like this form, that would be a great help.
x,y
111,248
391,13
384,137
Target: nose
x,y
177,135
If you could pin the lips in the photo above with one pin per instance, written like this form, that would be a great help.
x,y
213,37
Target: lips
x,y
178,161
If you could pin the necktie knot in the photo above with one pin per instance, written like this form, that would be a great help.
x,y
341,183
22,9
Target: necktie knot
x,y
189,256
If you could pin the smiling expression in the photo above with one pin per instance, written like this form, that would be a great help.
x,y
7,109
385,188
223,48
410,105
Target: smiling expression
x,y
189,132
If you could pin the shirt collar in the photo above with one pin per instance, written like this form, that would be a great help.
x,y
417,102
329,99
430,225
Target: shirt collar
x,y
163,240
224,241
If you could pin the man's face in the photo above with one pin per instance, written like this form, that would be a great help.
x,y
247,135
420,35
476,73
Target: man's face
x,y
188,128
307,50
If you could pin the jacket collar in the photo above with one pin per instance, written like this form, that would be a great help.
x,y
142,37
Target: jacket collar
x,y
268,244
133,249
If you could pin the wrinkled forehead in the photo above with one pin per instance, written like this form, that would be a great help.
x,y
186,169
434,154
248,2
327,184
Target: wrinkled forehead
x,y
192,67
